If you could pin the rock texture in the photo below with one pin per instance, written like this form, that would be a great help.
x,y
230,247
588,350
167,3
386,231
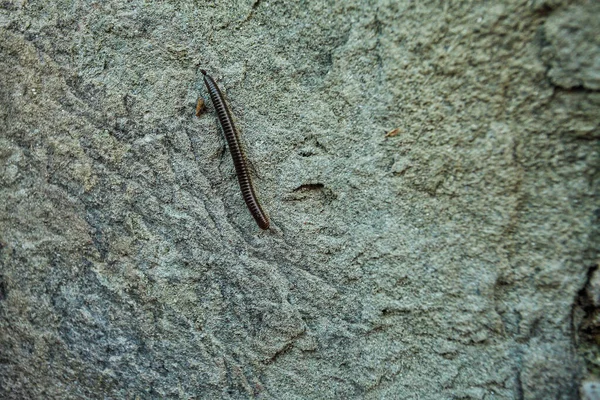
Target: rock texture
x,y
447,260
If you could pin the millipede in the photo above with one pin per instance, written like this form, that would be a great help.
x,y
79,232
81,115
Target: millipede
x,y
240,162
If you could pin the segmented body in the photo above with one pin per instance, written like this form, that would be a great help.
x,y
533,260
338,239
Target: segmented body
x,y
237,153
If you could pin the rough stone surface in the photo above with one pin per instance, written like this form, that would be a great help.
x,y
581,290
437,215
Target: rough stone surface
x,y
446,261
590,390
574,51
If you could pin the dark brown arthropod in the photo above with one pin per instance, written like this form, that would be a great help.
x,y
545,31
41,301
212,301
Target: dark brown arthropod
x,y
237,153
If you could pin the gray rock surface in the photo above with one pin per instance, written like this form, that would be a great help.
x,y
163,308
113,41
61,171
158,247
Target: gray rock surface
x,y
446,261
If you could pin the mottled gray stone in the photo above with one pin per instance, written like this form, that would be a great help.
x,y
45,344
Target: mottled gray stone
x,y
574,50
593,289
444,262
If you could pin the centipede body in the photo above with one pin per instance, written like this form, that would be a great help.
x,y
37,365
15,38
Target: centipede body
x,y
237,153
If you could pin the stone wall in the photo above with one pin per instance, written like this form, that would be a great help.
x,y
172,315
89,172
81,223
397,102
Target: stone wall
x,y
430,170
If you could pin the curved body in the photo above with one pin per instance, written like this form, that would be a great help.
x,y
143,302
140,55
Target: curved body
x,y
237,154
